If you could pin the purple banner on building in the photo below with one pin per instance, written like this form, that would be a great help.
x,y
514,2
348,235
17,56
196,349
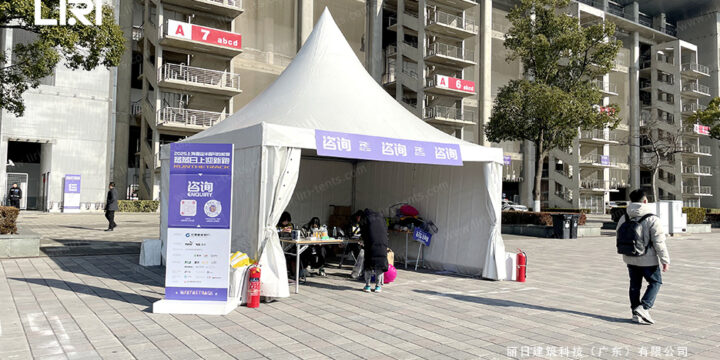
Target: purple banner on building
x,y
354,146
72,184
604,160
507,160
201,159
71,193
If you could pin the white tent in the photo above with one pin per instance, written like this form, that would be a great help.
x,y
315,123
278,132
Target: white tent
x,y
327,88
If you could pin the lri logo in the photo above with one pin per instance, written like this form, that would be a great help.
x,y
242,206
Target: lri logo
x,y
79,9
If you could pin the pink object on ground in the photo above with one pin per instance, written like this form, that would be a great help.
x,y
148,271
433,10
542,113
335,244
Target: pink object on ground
x,y
390,275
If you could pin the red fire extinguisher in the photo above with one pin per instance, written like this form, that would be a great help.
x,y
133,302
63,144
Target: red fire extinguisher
x,y
521,265
254,287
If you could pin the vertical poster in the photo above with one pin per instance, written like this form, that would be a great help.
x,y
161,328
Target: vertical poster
x,y
71,194
199,209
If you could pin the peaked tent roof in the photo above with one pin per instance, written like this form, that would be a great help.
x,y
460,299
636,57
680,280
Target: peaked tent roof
x,y
326,87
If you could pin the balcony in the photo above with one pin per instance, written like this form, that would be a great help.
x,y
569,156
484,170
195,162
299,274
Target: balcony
x,y
450,55
193,37
695,90
456,4
172,118
595,160
607,88
702,150
446,115
695,70
594,185
697,190
137,32
695,170
225,8
450,25
599,137
690,108
449,86
189,78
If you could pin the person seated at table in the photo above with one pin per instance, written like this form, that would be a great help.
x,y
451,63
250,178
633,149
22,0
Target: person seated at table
x,y
354,232
315,254
285,225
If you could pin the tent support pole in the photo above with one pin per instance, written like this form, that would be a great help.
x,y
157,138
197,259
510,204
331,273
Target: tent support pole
x,y
354,185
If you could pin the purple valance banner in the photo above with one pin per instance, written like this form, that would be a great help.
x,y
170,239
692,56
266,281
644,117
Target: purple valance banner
x,y
355,146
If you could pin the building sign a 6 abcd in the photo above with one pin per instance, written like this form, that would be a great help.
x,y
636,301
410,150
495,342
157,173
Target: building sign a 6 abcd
x,y
199,213
447,82
204,34
355,146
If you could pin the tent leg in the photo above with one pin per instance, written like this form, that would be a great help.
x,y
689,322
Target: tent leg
x,y
406,248
297,268
417,260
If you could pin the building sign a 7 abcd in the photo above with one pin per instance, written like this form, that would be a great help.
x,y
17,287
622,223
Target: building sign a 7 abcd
x,y
204,34
199,213
355,146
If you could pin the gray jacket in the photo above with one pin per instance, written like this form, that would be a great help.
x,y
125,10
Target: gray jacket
x,y
652,230
112,200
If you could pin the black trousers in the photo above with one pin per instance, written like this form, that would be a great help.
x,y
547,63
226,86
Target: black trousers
x,y
15,203
110,216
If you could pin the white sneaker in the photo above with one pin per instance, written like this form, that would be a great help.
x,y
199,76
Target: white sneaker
x,y
643,314
636,319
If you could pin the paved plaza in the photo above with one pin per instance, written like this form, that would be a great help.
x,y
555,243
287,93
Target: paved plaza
x,y
572,306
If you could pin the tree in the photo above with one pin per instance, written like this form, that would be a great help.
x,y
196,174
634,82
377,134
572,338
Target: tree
x,y
557,96
77,46
709,117
658,149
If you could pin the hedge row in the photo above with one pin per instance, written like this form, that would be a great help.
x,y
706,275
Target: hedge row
x,y
568,210
694,215
8,219
533,218
138,205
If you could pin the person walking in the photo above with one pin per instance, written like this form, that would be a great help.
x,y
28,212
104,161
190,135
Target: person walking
x,y
111,206
645,260
375,244
14,195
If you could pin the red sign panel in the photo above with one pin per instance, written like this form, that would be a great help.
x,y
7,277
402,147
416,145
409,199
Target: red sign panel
x,y
204,34
701,129
452,83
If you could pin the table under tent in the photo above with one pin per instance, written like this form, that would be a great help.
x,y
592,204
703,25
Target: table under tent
x,y
327,90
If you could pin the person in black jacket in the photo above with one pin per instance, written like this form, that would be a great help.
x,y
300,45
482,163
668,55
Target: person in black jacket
x,y
111,206
375,243
14,195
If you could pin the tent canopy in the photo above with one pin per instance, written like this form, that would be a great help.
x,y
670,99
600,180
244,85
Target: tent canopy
x,y
326,87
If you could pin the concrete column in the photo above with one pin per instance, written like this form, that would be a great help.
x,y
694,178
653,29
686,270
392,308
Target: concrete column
x,y
122,107
659,22
400,34
305,21
484,70
6,36
634,120
373,39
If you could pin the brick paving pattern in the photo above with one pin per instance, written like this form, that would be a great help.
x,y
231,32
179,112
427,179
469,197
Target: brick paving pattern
x,y
574,305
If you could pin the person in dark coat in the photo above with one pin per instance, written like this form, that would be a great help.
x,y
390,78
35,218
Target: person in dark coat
x,y
111,206
375,244
14,195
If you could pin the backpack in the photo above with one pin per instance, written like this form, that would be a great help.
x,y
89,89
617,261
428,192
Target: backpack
x,y
629,239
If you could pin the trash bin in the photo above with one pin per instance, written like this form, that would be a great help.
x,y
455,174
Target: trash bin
x,y
574,223
561,225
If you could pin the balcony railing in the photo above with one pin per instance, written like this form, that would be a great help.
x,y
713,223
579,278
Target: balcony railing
x,y
447,112
702,149
616,9
391,50
696,67
199,76
450,51
173,115
137,32
136,108
694,86
606,86
697,190
692,107
644,20
594,184
598,135
604,160
234,3
695,169
455,21
670,29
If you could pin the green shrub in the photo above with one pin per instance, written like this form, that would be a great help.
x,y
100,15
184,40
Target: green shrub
x,y
138,205
617,212
694,215
533,218
568,210
8,219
